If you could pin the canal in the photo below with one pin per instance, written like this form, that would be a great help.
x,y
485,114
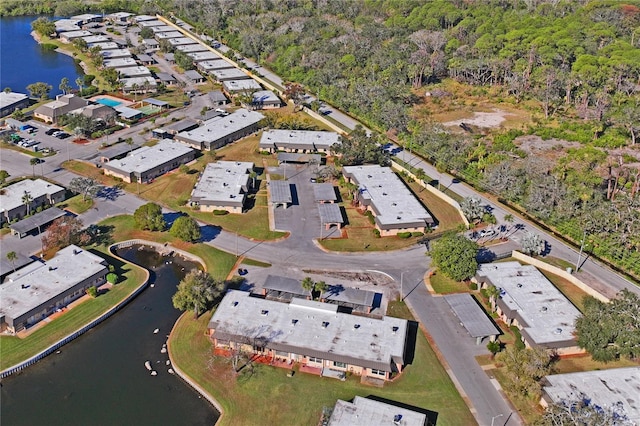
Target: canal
x,y
100,378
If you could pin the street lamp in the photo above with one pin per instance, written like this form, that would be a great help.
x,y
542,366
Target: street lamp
x,y
495,417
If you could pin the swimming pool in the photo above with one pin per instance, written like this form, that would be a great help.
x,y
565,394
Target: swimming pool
x,y
108,102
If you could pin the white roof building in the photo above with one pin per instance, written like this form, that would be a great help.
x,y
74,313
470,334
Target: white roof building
x,y
369,412
222,186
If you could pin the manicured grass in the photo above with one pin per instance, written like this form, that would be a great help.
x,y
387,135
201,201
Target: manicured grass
x,y
12,147
445,285
76,205
13,349
586,363
447,216
251,262
270,397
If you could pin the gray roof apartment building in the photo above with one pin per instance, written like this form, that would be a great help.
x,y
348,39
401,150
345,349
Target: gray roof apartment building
x,y
41,288
312,333
203,56
234,86
301,141
64,104
531,302
394,207
213,65
222,186
9,102
617,388
41,192
265,99
369,412
219,131
149,162
229,74
191,48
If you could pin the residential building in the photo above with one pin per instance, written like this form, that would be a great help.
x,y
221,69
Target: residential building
x,y
166,78
99,112
120,17
223,186
145,59
529,301
265,99
219,131
139,84
213,65
145,18
149,22
181,41
64,104
369,412
116,53
132,72
107,45
149,162
229,74
41,192
299,141
394,207
66,25
120,63
87,18
218,98
194,76
314,334
191,48
203,56
92,40
235,86
163,29
168,35
151,44
41,288
69,36
9,102
616,389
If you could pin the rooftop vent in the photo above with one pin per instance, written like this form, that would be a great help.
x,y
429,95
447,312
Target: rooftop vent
x,y
264,312
234,303
397,419
325,324
294,321
356,326
558,331
519,285
543,309
395,328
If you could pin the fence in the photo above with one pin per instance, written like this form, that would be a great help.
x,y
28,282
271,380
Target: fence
x,y
19,367
561,273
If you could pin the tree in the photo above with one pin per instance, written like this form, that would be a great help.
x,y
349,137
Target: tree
x,y
80,44
149,217
455,256
39,90
494,347
146,32
12,256
64,85
472,208
609,331
43,26
26,200
316,288
196,292
525,368
532,244
3,176
88,187
92,291
33,163
493,293
64,231
509,219
295,92
186,228
111,76
360,148
80,83
112,278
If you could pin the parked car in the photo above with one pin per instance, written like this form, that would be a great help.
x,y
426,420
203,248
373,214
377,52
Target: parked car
x,y
62,135
51,131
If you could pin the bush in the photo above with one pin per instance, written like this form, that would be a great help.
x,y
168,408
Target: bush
x,y
376,233
404,234
516,331
92,291
88,79
473,286
184,168
220,212
417,234
369,215
112,278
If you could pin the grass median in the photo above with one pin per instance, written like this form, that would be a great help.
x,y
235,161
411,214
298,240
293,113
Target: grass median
x,y
268,396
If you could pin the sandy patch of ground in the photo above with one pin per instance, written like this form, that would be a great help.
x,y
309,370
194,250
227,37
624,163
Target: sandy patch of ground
x,y
483,119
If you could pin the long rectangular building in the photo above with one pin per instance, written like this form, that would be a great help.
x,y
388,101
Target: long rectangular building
x,y
223,186
394,207
219,131
149,162
302,141
615,388
36,291
311,333
531,302
41,192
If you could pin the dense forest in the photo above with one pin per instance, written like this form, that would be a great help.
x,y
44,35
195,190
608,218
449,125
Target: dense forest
x,y
573,65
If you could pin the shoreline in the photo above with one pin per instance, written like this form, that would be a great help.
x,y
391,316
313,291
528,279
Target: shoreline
x,y
62,51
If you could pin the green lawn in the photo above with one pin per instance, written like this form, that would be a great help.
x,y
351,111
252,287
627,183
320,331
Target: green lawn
x,y
13,349
270,397
76,205
443,285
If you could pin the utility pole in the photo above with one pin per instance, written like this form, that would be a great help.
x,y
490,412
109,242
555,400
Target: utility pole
x,y
401,286
584,236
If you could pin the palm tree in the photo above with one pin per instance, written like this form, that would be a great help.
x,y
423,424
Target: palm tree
x,y
308,284
509,219
421,176
80,83
134,90
12,257
33,163
493,292
26,200
494,347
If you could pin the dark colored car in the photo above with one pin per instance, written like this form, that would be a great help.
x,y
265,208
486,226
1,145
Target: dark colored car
x,y
62,135
51,131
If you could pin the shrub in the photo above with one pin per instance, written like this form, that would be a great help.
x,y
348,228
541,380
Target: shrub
x,y
376,233
184,168
417,234
473,286
112,268
404,234
369,215
92,291
112,278
220,212
516,331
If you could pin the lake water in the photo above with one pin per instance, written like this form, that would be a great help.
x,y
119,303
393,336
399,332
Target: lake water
x,y
100,378
23,61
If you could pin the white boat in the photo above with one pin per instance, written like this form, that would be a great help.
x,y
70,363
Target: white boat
x,y
156,331
154,373
163,350
147,364
171,371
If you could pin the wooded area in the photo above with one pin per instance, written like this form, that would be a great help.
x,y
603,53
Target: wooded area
x,y
573,65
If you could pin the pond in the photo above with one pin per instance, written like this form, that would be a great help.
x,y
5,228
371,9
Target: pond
x,y
100,378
